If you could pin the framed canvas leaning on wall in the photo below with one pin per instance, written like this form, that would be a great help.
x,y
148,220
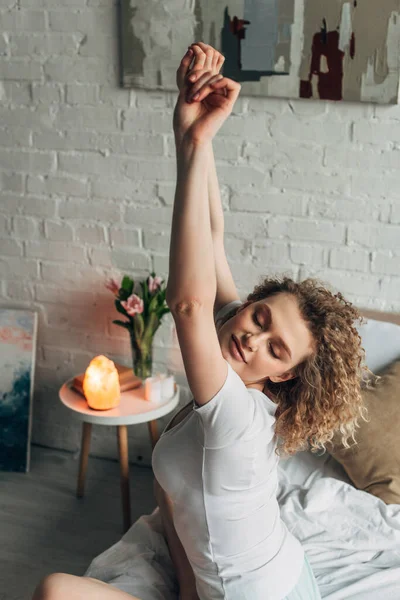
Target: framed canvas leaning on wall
x,y
18,330
311,49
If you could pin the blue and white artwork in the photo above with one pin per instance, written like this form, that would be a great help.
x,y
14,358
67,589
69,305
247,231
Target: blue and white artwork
x,y
17,364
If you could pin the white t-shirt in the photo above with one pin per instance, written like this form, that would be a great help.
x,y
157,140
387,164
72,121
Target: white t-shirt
x,y
219,467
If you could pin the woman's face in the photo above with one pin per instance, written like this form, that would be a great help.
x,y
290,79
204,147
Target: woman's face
x,y
273,338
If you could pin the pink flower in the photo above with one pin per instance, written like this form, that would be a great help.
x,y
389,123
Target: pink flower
x,y
133,305
113,286
154,283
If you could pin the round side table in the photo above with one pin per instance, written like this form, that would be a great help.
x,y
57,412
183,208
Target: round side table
x,y
133,408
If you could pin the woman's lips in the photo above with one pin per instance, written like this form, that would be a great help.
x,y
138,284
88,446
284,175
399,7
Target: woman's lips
x,y
235,350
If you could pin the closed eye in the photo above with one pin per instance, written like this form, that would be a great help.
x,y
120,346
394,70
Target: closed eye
x,y
271,350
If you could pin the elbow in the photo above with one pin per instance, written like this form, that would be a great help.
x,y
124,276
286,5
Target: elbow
x,y
184,307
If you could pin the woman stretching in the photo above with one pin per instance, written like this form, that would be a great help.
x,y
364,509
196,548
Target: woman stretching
x,y
276,374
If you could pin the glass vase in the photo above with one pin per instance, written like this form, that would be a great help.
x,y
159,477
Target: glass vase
x,y
142,359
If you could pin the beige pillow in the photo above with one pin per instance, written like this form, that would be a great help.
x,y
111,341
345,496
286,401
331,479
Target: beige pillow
x,y
373,465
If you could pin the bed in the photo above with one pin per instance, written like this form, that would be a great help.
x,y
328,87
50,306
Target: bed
x,y
351,537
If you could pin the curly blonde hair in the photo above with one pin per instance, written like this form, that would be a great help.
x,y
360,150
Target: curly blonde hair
x,y
324,398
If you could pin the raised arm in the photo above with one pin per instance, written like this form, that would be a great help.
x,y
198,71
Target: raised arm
x,y
207,63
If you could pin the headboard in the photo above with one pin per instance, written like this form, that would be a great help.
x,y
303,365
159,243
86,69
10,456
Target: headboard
x,y
380,316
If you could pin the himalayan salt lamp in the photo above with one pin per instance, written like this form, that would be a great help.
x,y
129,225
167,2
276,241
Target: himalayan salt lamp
x,y
101,384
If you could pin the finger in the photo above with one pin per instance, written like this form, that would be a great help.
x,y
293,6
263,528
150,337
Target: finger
x,y
184,68
205,89
205,78
213,56
199,56
231,87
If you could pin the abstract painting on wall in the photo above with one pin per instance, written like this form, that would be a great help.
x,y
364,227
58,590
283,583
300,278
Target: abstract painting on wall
x,y
17,364
314,49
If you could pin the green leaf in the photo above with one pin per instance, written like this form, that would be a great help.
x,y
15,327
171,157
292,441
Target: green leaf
x,y
127,285
121,309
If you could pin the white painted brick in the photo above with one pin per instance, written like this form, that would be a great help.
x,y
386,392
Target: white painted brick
x,y
341,208
100,257
99,118
76,296
387,262
272,106
47,93
237,249
140,120
361,158
44,45
373,185
82,94
66,69
15,267
16,93
85,20
81,276
29,162
18,290
309,180
376,131
114,96
241,223
347,282
374,236
53,3
302,254
131,260
89,163
20,70
322,131
57,184
271,254
94,209
13,182
27,205
67,317
139,191
25,228
272,154
124,236
156,242
5,225
39,118
166,192
243,176
276,203
58,231
350,259
161,265
305,229
10,247
391,289
91,234
26,20
95,45
61,251
15,137
395,213
149,170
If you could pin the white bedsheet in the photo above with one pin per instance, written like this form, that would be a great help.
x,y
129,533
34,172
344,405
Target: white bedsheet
x,y
351,538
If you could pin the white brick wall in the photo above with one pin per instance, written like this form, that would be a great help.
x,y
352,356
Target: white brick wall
x,y
87,173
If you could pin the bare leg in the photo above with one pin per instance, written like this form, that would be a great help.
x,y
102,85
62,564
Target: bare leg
x,y
61,586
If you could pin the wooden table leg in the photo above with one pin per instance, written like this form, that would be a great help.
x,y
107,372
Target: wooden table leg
x,y
83,461
122,432
153,431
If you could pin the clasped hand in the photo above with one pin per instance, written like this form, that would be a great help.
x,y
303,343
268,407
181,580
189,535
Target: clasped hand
x,y
206,98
